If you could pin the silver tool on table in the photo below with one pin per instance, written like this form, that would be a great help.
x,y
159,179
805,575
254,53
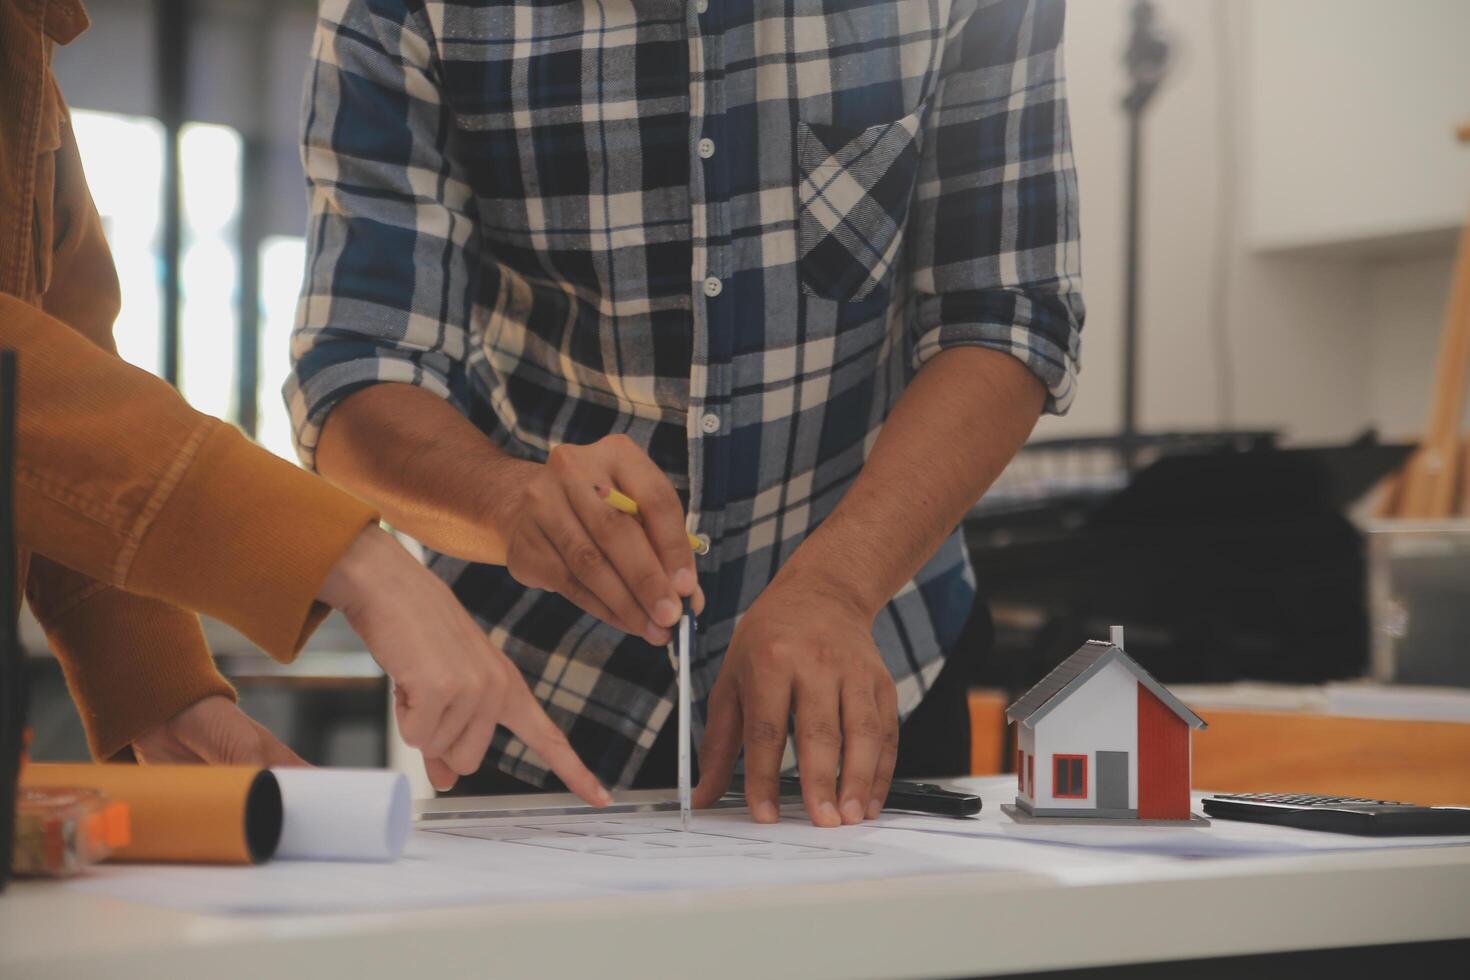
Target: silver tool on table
x,y
684,641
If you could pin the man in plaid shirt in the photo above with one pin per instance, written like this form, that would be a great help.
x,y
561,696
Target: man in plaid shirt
x,y
798,276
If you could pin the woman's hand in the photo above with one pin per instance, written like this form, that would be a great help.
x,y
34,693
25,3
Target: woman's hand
x,y
213,730
451,686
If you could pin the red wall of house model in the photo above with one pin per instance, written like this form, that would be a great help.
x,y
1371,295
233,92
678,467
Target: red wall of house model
x,y
1163,760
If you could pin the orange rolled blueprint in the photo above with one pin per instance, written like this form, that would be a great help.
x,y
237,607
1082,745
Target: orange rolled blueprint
x,y
188,813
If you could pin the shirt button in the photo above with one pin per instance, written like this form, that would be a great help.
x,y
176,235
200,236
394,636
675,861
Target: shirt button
x,y
713,287
706,148
710,423
701,6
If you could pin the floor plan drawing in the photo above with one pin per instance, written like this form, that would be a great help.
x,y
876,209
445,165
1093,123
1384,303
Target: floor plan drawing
x,y
516,859
636,839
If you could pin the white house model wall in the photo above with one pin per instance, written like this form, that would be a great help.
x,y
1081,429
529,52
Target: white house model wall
x,y
1099,716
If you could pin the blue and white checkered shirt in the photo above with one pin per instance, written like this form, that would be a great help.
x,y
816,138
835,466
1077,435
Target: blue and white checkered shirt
x,y
731,229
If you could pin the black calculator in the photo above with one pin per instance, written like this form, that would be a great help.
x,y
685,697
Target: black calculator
x,y
1340,814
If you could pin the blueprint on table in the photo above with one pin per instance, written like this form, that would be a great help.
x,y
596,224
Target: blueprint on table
x,y
540,859
492,861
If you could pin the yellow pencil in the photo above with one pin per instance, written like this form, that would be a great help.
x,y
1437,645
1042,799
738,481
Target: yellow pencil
x,y
629,506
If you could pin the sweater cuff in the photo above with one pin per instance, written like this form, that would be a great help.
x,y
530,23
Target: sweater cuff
x,y
131,663
248,538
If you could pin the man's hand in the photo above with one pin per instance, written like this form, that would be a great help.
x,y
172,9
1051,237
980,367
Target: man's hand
x,y
809,653
451,686
806,647
213,730
563,537
464,496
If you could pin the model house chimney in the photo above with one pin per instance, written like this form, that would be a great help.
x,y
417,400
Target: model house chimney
x,y
1115,636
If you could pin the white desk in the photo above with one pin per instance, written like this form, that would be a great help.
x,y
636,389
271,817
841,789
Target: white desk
x,y
970,924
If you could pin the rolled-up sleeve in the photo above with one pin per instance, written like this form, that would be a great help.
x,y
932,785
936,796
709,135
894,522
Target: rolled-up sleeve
x,y
993,241
388,288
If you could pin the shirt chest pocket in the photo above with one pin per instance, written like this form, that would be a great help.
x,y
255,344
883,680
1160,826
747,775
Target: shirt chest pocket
x,y
853,197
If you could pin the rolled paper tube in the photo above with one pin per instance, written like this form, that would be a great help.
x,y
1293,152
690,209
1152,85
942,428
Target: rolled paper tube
x,y
194,813
344,814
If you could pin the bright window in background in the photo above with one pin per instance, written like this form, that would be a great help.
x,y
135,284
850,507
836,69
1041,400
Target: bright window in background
x,y
282,260
209,268
123,159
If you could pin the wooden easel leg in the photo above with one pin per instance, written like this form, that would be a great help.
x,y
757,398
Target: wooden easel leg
x,y
1391,495
1464,496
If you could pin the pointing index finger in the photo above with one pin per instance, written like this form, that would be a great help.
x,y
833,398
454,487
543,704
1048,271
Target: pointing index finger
x,y
525,717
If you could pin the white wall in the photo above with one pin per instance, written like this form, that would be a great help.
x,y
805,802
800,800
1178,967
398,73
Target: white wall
x,y
1406,308
1101,715
1377,92
1322,345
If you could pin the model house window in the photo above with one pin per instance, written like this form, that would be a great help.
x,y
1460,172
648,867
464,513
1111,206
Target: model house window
x,y
1020,770
1069,777
1030,774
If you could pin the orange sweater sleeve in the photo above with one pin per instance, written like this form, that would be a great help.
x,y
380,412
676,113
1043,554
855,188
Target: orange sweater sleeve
x,y
118,479
134,504
131,662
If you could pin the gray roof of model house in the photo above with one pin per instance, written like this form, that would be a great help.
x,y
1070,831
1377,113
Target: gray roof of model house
x,y
1073,672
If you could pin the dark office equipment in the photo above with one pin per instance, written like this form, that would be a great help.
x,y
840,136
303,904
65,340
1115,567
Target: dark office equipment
x,y
1352,470
911,797
903,794
928,798
1340,814
1226,562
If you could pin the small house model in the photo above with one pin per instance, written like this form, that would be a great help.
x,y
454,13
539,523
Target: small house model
x,y
1099,737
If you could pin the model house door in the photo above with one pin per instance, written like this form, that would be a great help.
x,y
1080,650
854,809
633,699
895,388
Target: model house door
x,y
1112,780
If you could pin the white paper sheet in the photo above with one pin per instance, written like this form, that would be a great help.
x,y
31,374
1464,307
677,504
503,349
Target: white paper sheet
x,y
343,814
434,872
546,859
567,857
